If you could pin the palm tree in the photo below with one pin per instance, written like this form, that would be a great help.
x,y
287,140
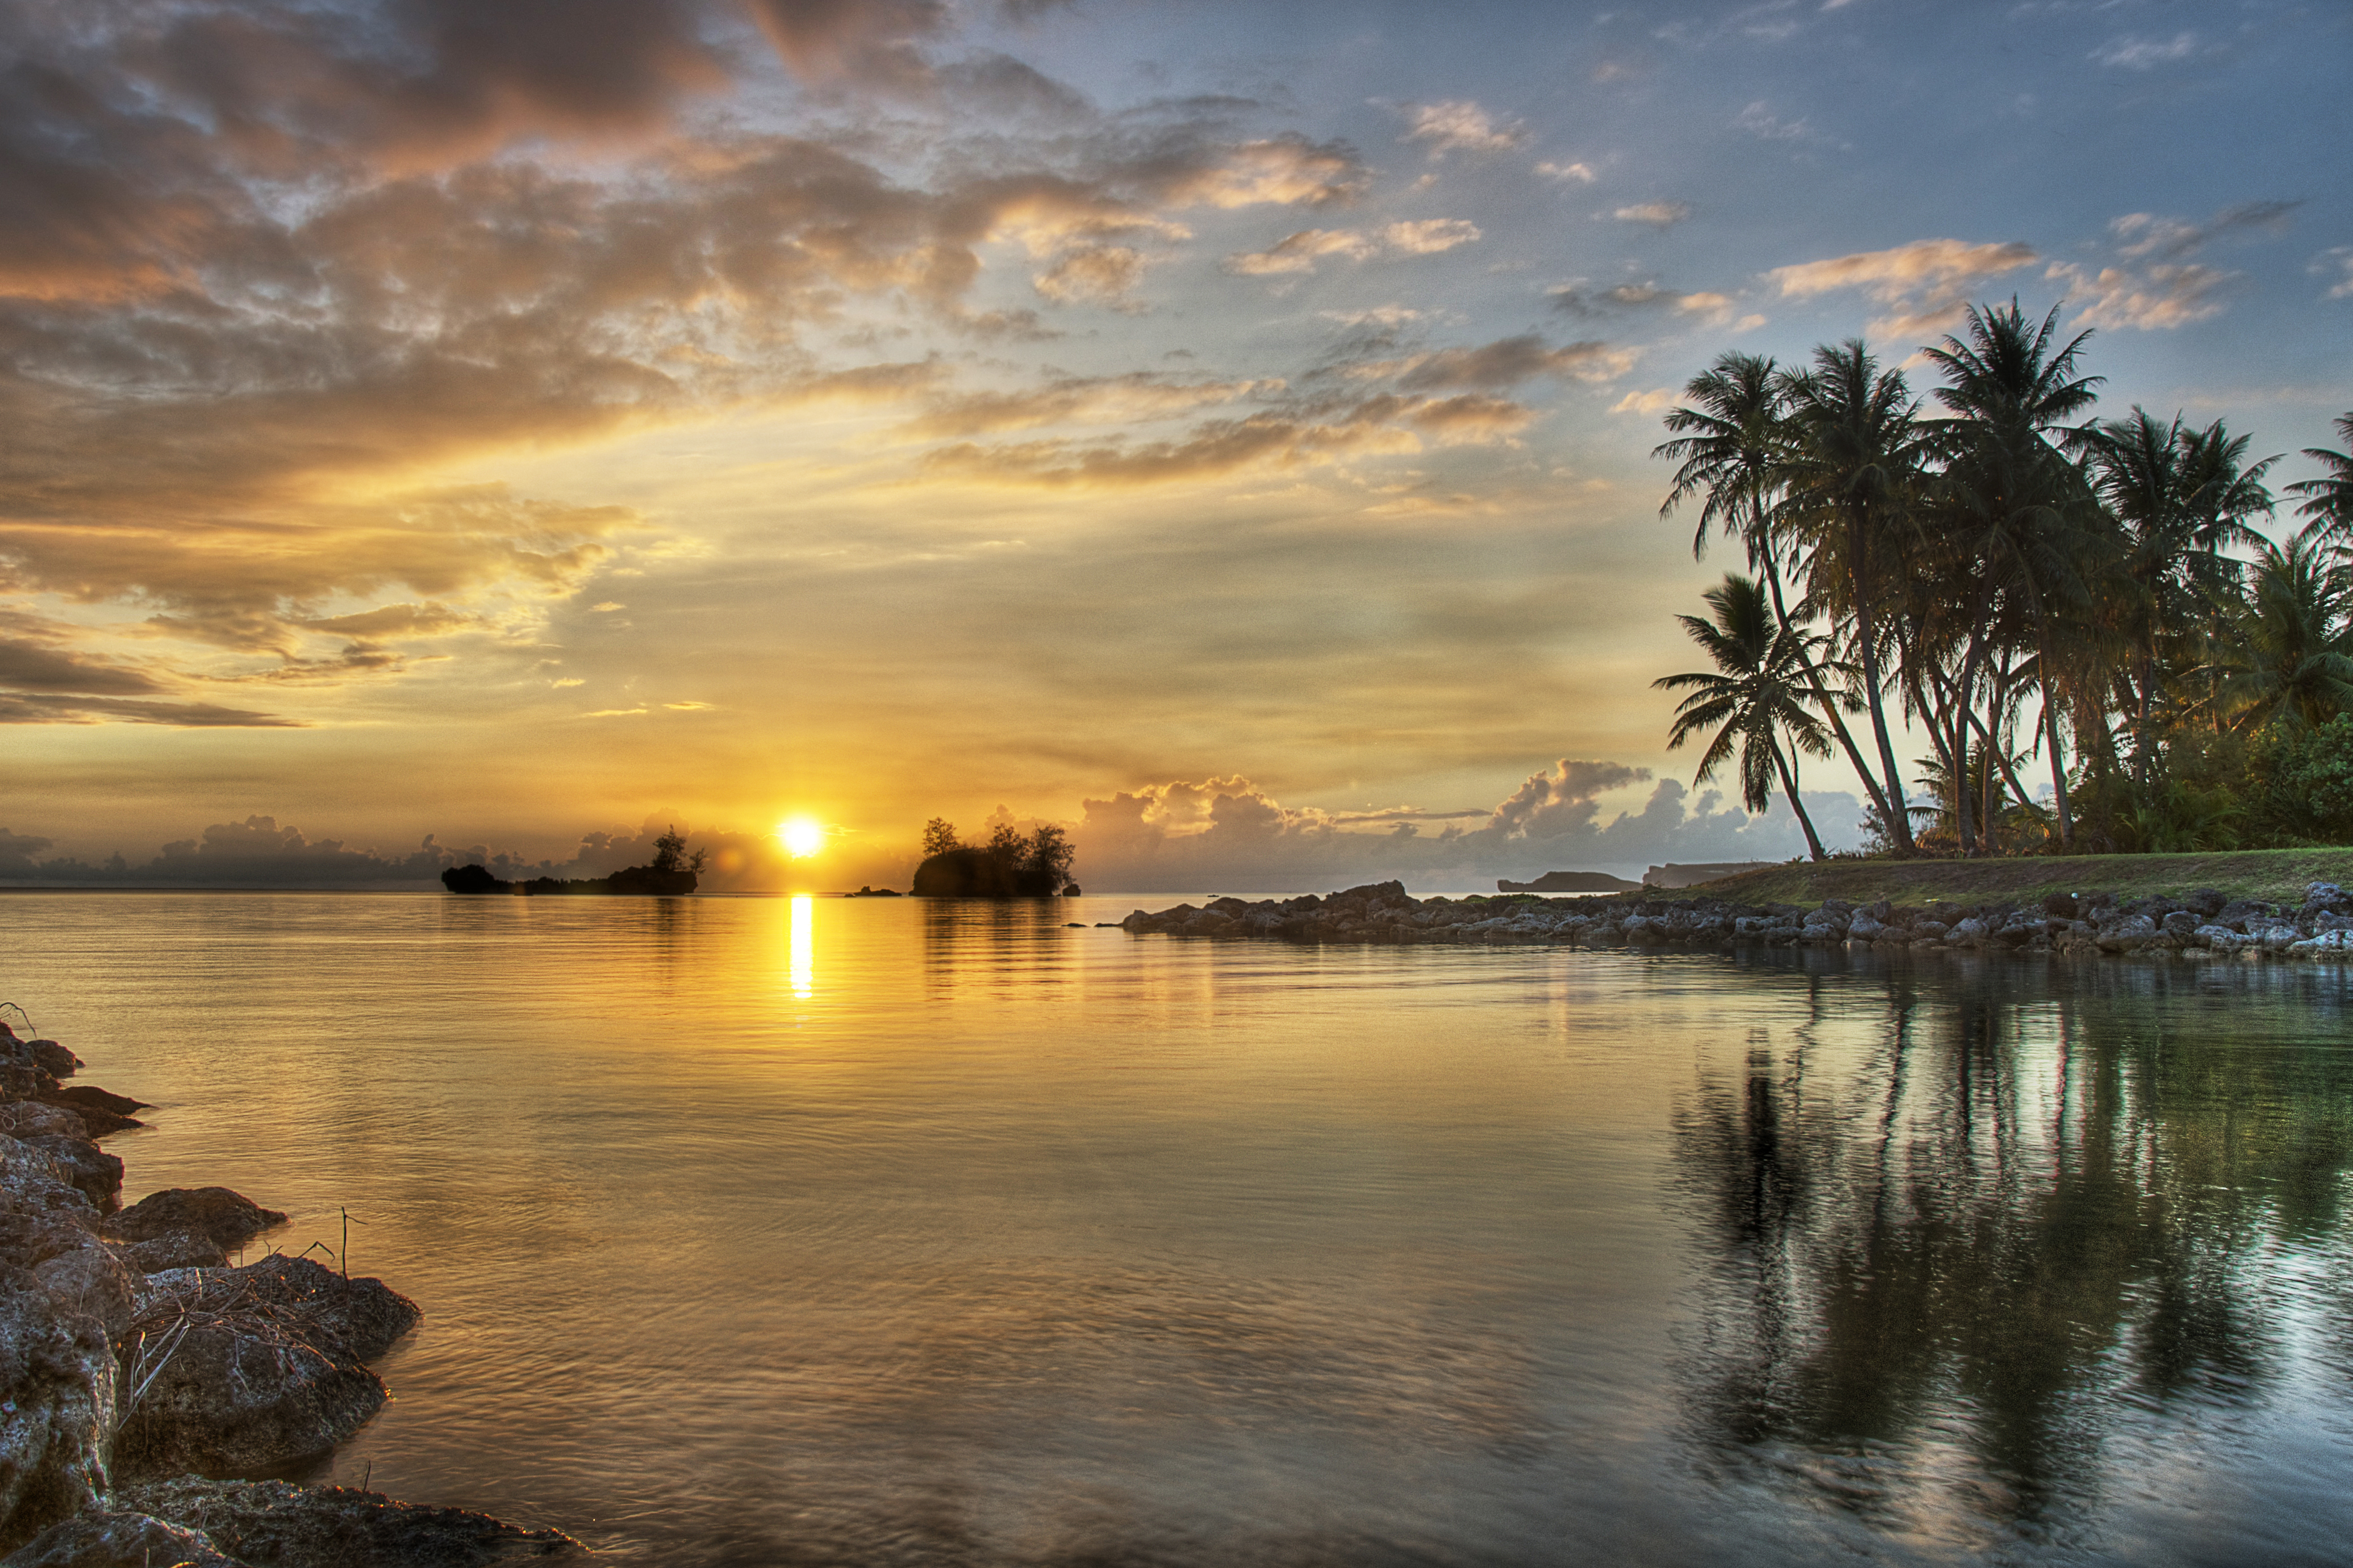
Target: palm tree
x,y
2290,655
2329,501
1755,696
2020,507
1852,473
1730,441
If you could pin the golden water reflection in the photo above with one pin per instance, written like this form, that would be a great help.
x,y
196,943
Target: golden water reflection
x,y
802,958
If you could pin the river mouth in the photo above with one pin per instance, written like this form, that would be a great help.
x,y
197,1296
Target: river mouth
x,y
885,1231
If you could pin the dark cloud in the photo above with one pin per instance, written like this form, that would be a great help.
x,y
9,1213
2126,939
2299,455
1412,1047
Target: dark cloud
x,y
31,667
1507,361
29,708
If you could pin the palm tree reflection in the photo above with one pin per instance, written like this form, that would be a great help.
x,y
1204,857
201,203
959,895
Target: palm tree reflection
x,y
2014,1220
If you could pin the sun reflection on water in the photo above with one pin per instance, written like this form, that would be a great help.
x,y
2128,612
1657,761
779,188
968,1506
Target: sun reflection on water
x,y
803,953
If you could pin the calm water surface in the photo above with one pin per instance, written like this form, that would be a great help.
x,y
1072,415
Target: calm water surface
x,y
791,1231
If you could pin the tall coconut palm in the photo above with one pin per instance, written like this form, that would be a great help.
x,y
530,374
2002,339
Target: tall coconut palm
x,y
1851,474
1730,436
2020,507
1755,696
2289,657
2328,501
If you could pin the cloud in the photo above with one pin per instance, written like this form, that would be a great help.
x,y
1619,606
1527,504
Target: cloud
x,y
2158,289
1581,174
2142,234
1507,361
32,708
2338,263
1461,126
1658,214
1227,835
1429,235
868,41
1657,400
1926,284
1096,275
1759,121
1578,300
2134,53
2152,298
1298,253
1136,397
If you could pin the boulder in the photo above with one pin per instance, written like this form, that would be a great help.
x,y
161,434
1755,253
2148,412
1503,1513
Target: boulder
x,y
90,1094
2206,902
32,1119
32,1182
2128,935
118,1540
58,1375
2060,906
175,1249
273,1524
223,1387
53,1059
2328,944
228,1219
356,1318
88,1168
2223,939
2181,923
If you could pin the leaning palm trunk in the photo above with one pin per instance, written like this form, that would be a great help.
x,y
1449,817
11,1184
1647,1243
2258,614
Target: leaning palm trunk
x,y
1790,789
1820,692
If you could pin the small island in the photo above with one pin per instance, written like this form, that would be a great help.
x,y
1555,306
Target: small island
x,y
1011,864
673,874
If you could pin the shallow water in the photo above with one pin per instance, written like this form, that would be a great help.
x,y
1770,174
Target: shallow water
x,y
789,1231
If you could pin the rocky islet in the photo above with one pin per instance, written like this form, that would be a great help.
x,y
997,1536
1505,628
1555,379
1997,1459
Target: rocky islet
x,y
2205,923
143,1382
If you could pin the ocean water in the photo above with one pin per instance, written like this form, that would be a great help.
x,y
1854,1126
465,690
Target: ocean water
x,y
798,1231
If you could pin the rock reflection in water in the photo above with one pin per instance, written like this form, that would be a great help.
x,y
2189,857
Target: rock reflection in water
x,y
1949,1265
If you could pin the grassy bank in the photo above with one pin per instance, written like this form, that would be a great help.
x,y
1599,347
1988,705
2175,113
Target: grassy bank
x,y
2278,876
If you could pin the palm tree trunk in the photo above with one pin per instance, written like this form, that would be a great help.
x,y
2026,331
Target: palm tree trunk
x,y
2042,667
1895,814
1790,789
1822,698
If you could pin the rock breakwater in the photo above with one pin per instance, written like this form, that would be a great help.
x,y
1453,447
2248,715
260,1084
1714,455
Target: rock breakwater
x,y
143,1380
2204,923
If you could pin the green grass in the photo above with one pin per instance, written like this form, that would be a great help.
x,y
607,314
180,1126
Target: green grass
x,y
2277,875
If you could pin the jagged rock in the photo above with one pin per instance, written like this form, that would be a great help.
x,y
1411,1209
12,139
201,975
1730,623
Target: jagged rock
x,y
2128,935
90,1094
273,1524
58,1372
35,1118
354,1318
32,1182
233,1392
90,1169
118,1540
175,1249
229,1219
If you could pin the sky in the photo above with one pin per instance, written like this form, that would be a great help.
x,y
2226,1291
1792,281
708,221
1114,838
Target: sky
x,y
438,431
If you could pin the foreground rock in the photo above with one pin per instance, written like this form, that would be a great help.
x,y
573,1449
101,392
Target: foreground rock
x,y
57,1407
2203,923
105,1540
237,1372
271,1524
226,1219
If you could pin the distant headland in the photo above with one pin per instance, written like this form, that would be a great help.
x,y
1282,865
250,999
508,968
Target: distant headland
x,y
673,874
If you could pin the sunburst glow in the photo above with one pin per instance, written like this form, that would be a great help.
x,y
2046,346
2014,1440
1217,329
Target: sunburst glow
x,y
802,837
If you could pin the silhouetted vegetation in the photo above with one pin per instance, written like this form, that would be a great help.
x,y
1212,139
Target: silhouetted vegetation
x,y
1012,864
2035,590
674,873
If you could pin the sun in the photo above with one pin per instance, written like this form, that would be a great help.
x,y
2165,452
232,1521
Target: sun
x,y
802,837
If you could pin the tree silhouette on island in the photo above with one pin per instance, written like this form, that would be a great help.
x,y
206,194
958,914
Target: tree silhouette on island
x,y
1011,864
673,873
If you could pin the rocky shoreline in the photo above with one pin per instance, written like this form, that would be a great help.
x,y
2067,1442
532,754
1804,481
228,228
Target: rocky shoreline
x,y
145,1382
2202,924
